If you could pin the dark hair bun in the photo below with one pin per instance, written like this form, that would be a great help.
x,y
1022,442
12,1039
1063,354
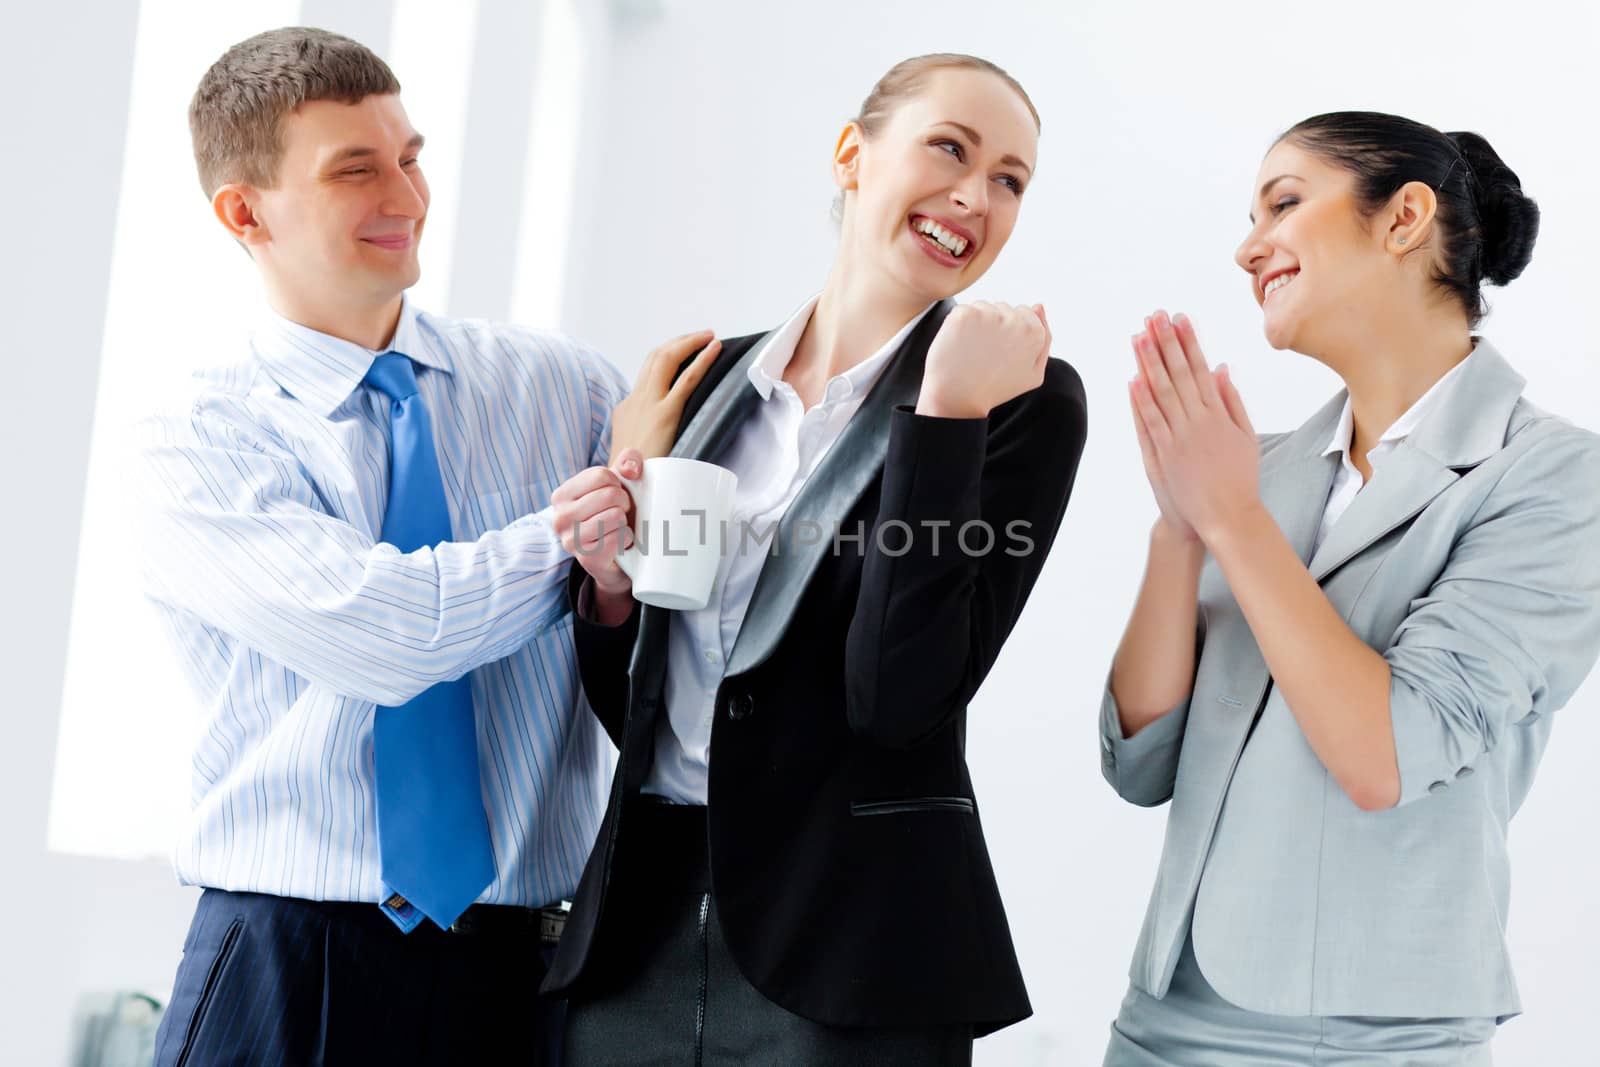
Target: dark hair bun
x,y
1509,219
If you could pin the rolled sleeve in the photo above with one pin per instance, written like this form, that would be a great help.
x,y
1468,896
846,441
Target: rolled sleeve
x,y
1141,768
1510,628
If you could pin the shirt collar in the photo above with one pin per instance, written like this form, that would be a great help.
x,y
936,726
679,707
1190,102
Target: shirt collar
x,y
1402,427
321,370
768,368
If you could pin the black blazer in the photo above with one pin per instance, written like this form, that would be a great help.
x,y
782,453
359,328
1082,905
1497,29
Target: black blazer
x,y
847,858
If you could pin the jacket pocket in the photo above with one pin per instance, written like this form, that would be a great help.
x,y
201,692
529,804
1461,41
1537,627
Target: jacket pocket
x,y
909,804
207,991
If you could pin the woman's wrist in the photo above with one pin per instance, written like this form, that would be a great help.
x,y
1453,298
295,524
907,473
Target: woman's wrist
x,y
1169,540
932,404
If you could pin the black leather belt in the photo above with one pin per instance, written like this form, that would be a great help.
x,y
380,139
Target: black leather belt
x,y
505,920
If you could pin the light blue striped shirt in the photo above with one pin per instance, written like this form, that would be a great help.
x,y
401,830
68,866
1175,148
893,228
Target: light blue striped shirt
x,y
261,506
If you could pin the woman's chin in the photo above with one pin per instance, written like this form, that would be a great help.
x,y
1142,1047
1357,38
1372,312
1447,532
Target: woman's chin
x,y
1280,334
933,281
927,288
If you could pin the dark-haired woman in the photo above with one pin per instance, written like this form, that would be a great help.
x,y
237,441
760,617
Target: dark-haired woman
x,y
1350,640
792,868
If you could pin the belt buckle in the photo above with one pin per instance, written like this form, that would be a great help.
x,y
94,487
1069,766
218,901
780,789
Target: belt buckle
x,y
552,921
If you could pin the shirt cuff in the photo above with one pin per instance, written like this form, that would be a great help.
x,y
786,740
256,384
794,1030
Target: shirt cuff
x,y
544,518
583,605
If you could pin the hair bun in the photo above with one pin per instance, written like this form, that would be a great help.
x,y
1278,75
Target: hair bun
x,y
1509,218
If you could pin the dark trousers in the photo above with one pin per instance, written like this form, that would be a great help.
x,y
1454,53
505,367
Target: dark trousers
x,y
670,993
277,981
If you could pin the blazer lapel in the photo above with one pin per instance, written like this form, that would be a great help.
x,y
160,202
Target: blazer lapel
x,y
717,408
1296,477
850,466
1466,426
731,401
1398,490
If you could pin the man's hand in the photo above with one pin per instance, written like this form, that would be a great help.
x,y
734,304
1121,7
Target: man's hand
x,y
648,418
592,513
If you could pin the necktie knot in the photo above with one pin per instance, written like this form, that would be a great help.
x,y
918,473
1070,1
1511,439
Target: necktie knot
x,y
392,375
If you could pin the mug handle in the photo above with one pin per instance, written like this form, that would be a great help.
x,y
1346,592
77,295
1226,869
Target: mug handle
x,y
631,559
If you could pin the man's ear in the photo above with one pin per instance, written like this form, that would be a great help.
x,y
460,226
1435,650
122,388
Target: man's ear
x,y
234,205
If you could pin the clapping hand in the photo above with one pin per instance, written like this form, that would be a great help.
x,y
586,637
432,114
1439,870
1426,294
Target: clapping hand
x,y
1199,449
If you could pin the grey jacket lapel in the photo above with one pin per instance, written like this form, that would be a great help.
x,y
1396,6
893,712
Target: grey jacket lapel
x,y
723,412
1466,425
855,459
1296,477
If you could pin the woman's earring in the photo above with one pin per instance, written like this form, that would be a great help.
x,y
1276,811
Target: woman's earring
x,y
1400,240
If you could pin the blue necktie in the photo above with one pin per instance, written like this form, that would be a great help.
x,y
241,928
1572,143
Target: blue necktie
x,y
433,836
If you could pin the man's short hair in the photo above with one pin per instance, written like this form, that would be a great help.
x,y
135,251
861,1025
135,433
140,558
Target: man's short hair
x,y
236,111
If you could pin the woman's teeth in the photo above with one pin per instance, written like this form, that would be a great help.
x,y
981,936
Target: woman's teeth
x,y
1278,282
941,236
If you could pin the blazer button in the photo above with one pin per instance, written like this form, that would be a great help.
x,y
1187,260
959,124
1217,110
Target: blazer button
x,y
740,707
1438,787
1465,772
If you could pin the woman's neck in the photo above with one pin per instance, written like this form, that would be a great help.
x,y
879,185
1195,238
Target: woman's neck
x,y
1390,361
853,319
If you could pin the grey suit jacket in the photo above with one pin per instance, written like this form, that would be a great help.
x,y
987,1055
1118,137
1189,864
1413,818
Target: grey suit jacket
x,y
1471,559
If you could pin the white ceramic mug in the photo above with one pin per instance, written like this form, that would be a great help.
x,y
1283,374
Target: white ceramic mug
x,y
681,508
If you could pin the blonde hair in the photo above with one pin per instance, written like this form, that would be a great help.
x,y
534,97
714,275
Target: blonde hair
x,y
906,78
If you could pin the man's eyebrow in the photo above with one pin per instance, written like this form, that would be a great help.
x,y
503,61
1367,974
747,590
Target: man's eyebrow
x,y
977,142
1267,188
344,155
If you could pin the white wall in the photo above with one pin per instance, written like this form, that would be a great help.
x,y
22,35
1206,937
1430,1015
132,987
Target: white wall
x,y
711,209
702,198
70,922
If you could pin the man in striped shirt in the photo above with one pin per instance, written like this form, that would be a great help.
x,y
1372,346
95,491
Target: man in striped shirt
x,y
264,502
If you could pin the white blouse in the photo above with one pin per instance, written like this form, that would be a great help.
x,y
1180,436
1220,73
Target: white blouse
x,y
773,454
1347,482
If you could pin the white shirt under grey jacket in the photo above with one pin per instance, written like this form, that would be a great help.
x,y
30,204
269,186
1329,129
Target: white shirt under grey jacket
x,y
773,454
1347,482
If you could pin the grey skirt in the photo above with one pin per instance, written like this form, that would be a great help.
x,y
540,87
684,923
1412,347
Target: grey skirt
x,y
1192,1026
